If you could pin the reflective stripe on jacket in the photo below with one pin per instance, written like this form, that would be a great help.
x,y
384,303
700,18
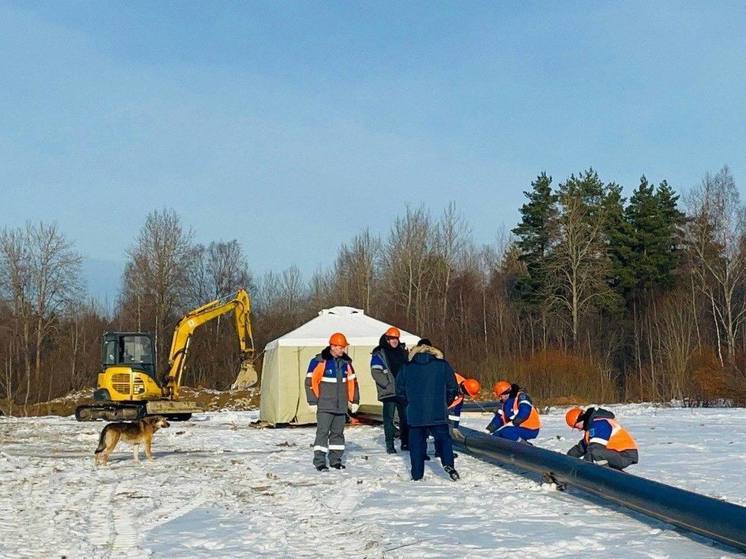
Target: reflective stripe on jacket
x,y
521,406
331,383
609,433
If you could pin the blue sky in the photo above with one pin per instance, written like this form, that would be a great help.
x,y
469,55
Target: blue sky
x,y
292,126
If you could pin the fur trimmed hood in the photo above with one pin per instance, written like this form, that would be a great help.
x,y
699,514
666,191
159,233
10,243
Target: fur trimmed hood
x,y
327,354
434,351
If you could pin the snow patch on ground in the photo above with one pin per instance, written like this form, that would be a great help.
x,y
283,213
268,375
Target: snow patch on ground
x,y
220,488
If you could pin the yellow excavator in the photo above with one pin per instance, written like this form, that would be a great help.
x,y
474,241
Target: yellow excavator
x,y
128,387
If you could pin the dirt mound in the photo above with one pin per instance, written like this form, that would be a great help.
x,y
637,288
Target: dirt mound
x,y
207,399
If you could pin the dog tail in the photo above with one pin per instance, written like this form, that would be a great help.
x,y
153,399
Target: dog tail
x,y
101,444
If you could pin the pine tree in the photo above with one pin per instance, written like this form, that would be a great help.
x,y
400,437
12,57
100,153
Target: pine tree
x,y
671,234
535,238
621,277
655,221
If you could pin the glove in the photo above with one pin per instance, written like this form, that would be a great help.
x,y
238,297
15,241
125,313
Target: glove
x,y
353,408
314,407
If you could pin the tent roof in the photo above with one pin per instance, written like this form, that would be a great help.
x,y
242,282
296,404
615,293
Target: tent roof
x,y
358,328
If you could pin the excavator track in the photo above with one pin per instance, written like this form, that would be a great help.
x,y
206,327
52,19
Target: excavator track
x,y
110,411
134,411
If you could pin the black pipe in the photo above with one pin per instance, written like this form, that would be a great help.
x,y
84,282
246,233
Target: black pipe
x,y
718,520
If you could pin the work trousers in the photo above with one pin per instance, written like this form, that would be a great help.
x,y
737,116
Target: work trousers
x,y
330,438
615,459
513,433
391,407
418,447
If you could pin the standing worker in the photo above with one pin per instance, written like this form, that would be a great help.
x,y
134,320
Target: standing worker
x,y
427,385
466,387
516,417
385,363
604,442
331,388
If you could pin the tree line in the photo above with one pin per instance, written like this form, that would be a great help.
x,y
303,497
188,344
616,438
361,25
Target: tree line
x,y
590,297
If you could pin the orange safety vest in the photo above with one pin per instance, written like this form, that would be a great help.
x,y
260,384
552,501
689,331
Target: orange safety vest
x,y
619,440
318,373
533,421
460,397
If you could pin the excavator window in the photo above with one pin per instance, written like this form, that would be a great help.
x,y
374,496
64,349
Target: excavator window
x,y
134,350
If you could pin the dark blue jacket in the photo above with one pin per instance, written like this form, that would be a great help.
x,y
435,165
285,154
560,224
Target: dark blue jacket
x,y
427,385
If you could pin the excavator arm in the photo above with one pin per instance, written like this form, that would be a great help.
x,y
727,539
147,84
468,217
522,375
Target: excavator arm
x,y
240,305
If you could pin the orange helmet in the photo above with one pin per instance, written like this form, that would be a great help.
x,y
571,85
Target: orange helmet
x,y
392,332
338,339
472,386
572,416
501,387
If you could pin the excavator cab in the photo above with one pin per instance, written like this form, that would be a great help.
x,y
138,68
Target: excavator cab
x,y
132,349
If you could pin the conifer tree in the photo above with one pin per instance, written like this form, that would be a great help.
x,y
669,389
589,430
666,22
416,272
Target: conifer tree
x,y
536,236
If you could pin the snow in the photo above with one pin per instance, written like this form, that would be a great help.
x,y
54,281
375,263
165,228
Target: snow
x,y
220,488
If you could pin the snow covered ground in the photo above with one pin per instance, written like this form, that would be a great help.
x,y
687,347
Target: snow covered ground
x,y
219,488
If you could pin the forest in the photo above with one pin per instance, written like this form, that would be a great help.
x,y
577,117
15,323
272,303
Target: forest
x,y
591,297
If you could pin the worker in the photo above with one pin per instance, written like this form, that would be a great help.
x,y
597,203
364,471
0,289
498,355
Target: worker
x,y
466,387
516,417
386,361
331,389
604,441
427,385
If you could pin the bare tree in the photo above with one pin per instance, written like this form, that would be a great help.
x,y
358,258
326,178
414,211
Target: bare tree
x,y
451,233
579,263
156,277
678,340
16,289
55,281
716,234
355,269
407,255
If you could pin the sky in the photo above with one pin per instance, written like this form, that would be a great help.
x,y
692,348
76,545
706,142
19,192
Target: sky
x,y
292,126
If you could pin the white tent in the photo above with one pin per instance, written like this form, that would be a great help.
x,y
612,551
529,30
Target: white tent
x,y
286,361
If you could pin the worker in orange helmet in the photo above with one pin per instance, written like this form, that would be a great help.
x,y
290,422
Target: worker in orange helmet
x,y
386,361
331,389
466,387
516,417
604,441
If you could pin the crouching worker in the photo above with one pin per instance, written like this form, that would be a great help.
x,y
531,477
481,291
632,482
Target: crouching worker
x,y
331,388
604,442
466,387
516,417
427,385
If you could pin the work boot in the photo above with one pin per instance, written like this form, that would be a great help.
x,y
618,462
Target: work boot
x,y
323,468
451,471
405,446
338,466
390,450
427,458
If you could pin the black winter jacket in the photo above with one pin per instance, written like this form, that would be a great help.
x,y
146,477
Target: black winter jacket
x,y
427,385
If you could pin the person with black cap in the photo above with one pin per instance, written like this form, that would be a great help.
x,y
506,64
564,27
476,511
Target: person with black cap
x,y
428,385
385,363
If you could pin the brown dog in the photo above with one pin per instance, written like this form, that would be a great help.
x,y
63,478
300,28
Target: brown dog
x,y
136,432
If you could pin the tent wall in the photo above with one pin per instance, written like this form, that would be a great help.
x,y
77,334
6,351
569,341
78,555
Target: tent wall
x,y
283,398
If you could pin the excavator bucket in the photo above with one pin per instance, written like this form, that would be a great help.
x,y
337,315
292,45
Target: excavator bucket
x,y
247,376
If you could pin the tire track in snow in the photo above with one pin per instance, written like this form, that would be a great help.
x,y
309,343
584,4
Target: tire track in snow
x,y
100,520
